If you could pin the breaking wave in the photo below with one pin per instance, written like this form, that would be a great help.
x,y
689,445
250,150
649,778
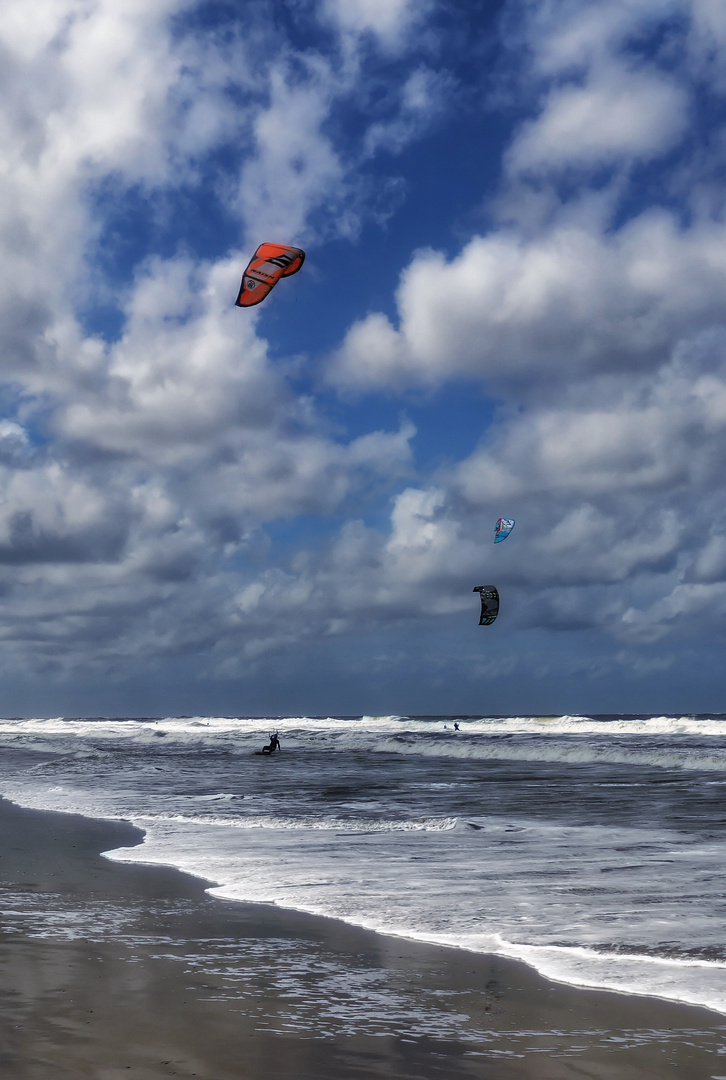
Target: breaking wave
x,y
566,752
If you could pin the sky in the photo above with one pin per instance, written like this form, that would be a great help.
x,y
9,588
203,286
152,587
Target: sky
x,y
513,304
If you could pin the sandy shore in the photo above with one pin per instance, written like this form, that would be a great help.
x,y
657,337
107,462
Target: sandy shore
x,y
110,971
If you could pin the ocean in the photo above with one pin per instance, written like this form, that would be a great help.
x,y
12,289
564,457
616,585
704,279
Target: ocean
x,y
592,848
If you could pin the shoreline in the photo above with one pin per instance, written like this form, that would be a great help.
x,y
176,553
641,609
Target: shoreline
x,y
113,969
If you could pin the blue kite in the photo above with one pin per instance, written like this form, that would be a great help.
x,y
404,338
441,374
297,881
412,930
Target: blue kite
x,y
502,529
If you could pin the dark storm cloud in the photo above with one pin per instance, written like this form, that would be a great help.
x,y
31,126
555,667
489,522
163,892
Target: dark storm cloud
x,y
26,542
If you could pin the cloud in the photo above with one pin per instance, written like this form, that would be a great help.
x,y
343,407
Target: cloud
x,y
189,387
563,39
685,605
424,96
147,473
50,517
664,432
597,320
385,20
616,115
576,274
295,168
567,302
91,96
136,472
616,484
706,41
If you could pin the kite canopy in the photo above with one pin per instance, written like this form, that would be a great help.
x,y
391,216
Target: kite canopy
x,y
489,603
502,529
268,264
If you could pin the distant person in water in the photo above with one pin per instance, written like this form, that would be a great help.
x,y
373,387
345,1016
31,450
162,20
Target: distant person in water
x,y
274,744
456,727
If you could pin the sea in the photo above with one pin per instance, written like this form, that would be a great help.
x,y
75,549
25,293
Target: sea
x,y
591,848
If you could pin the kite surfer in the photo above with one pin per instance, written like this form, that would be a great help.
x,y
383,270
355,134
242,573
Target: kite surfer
x,y
274,744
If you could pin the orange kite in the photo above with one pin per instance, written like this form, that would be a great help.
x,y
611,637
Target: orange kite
x,y
268,264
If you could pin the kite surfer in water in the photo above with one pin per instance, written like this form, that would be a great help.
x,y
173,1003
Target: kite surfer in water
x,y
274,745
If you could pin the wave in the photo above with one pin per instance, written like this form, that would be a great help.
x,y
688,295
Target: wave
x,y
286,824
568,753
221,796
367,881
59,735
320,885
656,742
687,980
200,728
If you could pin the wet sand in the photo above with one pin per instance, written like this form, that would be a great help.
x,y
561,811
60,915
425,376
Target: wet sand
x,y
113,970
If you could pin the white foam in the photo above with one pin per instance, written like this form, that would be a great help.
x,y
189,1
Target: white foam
x,y
291,824
516,889
693,982
577,753
657,742
210,729
614,907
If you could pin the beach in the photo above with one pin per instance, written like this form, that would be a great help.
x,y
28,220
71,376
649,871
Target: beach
x,y
363,540
113,970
